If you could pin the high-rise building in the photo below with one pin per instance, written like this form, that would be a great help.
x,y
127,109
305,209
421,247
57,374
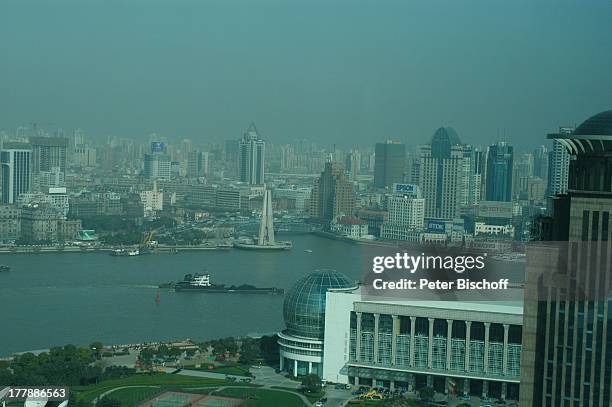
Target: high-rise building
x,y
389,163
558,165
540,162
442,174
48,153
157,164
406,213
332,195
197,164
477,161
251,156
16,163
499,172
567,356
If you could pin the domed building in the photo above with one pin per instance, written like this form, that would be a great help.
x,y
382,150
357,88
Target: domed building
x,y
301,344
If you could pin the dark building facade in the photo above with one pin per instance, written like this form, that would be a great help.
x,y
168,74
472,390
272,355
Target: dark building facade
x,y
389,163
567,336
499,172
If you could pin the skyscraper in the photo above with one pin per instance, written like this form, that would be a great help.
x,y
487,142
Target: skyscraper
x,y
499,172
157,164
540,162
558,165
442,174
332,195
48,153
197,164
251,156
15,161
389,163
567,352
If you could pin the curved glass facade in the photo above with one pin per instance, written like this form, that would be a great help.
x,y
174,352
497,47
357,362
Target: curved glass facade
x,y
304,306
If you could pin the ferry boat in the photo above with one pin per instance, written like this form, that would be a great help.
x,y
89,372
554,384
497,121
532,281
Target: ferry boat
x,y
201,283
4,267
125,252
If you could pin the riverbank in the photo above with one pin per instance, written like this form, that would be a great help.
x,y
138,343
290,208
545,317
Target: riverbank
x,y
102,249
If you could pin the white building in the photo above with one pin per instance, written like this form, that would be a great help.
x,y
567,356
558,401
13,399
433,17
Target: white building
x,y
483,228
153,201
558,166
406,213
453,346
350,227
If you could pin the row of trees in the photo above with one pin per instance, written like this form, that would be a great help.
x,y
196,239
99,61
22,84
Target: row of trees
x,y
62,366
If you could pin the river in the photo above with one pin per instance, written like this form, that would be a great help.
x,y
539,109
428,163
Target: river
x,y
52,299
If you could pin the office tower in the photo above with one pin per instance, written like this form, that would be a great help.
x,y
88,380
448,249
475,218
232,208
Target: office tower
x,y
567,352
499,172
353,163
389,163
157,164
251,156
540,162
441,174
406,213
332,195
558,165
15,159
477,161
47,153
197,164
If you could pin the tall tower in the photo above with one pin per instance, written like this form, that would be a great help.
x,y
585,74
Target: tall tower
x,y
558,163
389,163
567,356
266,228
251,156
499,172
442,174
157,164
15,161
332,195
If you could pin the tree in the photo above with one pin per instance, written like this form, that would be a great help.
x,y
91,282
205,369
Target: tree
x,y
96,349
249,351
427,393
311,383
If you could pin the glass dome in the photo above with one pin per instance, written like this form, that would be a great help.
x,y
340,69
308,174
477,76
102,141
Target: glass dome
x,y
304,307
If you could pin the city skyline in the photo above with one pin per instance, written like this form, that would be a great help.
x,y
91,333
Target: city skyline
x,y
189,72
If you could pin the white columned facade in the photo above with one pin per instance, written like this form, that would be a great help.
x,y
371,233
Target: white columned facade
x,y
486,346
412,333
430,343
449,334
468,326
376,329
395,328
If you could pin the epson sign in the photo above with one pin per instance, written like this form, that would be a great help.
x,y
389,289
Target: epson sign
x,y
404,188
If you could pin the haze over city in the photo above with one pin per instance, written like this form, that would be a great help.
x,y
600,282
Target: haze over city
x,y
333,72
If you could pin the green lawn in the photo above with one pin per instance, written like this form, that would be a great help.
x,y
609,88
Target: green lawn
x,y
310,396
133,396
237,370
263,397
89,393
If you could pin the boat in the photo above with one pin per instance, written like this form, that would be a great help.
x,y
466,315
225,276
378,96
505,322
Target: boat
x,y
125,252
200,282
4,267
308,250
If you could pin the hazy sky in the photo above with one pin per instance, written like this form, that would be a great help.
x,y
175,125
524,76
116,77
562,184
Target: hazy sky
x,y
350,72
